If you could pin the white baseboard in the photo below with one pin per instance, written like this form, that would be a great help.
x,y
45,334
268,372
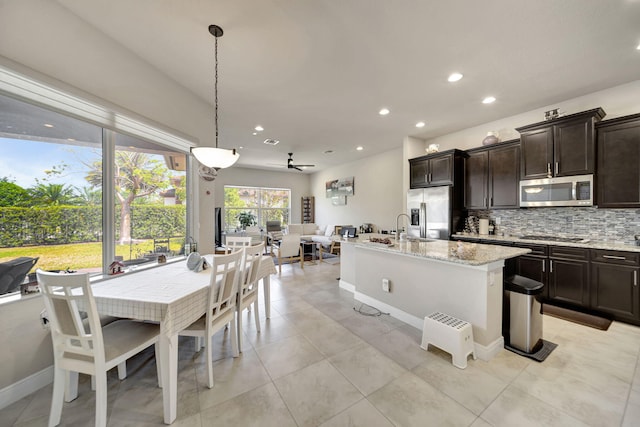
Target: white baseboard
x,y
347,286
25,387
488,352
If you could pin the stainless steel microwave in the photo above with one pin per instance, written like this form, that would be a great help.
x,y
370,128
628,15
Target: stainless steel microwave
x,y
563,191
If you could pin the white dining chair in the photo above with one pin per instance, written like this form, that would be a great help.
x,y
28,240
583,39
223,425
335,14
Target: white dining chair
x,y
289,247
223,290
255,233
248,287
233,243
86,346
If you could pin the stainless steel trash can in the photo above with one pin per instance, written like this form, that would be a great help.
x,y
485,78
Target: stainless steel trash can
x,y
524,311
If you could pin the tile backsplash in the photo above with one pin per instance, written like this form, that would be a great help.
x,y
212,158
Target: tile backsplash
x,y
615,225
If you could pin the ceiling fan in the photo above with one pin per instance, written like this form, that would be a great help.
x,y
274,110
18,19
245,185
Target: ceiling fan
x,y
291,165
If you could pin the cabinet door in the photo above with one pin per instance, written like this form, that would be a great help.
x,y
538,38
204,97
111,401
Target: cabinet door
x,y
418,173
574,148
504,176
618,160
614,290
537,153
476,169
441,170
569,281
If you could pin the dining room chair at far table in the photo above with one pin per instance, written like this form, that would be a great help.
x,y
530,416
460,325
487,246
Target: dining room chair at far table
x,y
289,248
248,287
233,243
84,345
223,286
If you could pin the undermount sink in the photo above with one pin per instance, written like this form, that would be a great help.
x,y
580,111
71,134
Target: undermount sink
x,y
420,239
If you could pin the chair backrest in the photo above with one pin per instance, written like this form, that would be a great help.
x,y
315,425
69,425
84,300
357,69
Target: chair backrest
x,y
289,245
67,297
250,266
223,284
273,226
233,243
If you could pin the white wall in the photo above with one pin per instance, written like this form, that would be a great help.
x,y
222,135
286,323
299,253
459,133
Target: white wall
x,y
616,102
378,191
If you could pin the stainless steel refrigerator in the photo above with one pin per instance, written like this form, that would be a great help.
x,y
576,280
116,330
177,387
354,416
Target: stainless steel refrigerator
x,y
431,212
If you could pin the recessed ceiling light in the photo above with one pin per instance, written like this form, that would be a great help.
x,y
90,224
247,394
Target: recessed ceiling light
x,y
259,128
488,100
420,124
638,47
255,133
47,125
359,148
384,112
454,77
70,139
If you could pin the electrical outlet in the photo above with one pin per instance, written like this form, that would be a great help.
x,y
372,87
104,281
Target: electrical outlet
x,y
497,220
385,285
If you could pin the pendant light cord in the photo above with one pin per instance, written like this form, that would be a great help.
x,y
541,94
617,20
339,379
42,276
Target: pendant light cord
x,y
215,89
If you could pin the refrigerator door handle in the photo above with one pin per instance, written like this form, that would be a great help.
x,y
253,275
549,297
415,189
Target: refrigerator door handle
x,y
423,219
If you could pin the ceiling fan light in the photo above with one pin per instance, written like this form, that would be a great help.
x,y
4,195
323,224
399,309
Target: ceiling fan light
x,y
213,157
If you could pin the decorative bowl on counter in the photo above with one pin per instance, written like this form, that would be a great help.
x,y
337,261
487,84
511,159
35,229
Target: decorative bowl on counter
x,y
464,250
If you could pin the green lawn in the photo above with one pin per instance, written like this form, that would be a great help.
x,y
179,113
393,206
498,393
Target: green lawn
x,y
78,256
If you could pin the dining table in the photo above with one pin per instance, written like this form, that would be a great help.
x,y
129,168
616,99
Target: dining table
x,y
173,296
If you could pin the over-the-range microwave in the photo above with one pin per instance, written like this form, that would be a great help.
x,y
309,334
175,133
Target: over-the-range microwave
x,y
563,191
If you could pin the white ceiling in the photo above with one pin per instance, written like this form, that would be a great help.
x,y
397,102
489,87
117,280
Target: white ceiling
x,y
314,73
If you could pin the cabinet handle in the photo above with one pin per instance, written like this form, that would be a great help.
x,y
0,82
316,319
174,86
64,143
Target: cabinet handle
x,y
543,263
549,174
556,168
621,258
485,202
550,266
635,278
491,201
429,177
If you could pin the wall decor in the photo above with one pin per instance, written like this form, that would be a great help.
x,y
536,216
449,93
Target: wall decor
x,y
339,187
339,200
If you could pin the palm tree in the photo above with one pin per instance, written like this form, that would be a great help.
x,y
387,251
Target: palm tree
x,y
53,194
136,175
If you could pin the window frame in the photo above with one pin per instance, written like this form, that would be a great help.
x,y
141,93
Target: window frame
x,y
260,209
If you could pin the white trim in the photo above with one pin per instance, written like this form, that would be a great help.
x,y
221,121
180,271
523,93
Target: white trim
x,y
26,386
347,286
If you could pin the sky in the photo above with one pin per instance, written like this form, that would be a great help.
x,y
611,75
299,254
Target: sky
x,y
23,161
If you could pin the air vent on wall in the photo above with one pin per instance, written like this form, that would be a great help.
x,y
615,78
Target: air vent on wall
x,y
271,141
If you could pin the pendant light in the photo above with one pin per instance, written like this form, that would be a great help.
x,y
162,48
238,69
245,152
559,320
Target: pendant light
x,y
210,157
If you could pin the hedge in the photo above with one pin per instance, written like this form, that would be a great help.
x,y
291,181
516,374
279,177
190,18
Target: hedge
x,y
75,224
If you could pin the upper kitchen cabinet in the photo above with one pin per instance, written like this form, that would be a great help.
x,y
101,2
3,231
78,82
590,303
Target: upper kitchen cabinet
x,y
618,162
435,169
491,176
559,147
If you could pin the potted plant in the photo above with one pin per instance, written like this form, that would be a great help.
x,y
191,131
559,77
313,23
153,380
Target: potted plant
x,y
246,219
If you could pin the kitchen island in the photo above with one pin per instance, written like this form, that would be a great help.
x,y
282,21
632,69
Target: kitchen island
x,y
425,277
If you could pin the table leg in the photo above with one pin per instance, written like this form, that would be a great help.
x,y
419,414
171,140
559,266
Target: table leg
x,y
169,367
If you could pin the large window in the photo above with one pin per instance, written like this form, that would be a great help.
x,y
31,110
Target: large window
x,y
241,204
52,200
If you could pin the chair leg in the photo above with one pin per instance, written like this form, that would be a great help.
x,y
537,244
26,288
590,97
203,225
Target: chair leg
x,y
238,330
93,383
279,265
234,339
59,379
101,399
156,348
209,360
70,386
122,370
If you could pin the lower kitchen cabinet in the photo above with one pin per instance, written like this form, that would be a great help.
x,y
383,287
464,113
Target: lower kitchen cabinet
x,y
569,275
614,284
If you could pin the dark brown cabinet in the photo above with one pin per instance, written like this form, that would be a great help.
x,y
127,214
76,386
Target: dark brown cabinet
x,y
434,169
614,284
569,275
559,147
534,265
619,162
492,175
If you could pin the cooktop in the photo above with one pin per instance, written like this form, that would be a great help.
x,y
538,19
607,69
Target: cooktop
x,y
555,238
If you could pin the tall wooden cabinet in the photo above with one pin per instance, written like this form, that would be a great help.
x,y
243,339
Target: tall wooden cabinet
x,y
308,211
560,147
618,160
492,175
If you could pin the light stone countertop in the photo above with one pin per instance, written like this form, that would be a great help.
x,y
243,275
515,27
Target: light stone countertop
x,y
589,244
440,250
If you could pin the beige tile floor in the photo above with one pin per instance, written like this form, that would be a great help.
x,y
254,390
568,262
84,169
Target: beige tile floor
x,y
319,363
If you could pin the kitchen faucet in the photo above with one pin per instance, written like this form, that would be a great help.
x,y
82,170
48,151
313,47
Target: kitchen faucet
x,y
398,225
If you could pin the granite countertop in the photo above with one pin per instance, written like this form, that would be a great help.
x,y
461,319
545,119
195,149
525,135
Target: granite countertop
x,y
440,250
586,243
